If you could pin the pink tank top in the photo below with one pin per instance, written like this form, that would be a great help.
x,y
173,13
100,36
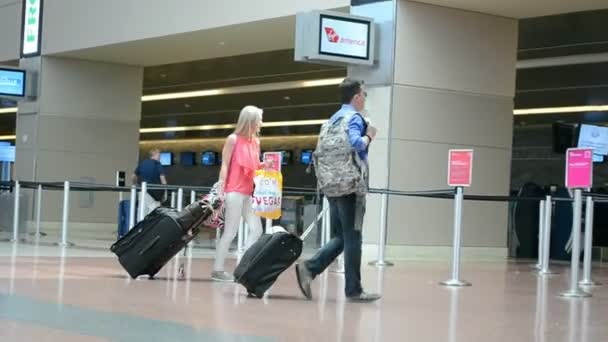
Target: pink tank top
x,y
244,162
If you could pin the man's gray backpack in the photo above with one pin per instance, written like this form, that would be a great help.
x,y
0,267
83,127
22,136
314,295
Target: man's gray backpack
x,y
338,167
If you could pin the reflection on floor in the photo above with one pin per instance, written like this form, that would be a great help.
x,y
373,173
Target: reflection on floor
x,y
53,294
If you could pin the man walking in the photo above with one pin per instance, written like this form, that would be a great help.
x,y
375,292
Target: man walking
x,y
342,177
151,171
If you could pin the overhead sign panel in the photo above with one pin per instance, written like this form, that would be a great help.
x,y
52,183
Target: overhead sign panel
x,y
31,29
334,38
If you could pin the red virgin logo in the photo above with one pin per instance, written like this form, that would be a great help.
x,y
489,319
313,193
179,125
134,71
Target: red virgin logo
x,y
333,37
331,34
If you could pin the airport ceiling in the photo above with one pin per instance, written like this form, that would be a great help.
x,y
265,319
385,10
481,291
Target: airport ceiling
x,y
553,36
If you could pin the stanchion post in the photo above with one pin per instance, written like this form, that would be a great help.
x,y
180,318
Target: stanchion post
x,y
574,290
180,199
381,262
142,201
66,214
16,193
173,199
38,209
192,196
132,206
541,235
546,248
587,280
455,280
268,223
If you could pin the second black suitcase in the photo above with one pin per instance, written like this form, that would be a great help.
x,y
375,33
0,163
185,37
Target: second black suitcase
x,y
265,260
158,238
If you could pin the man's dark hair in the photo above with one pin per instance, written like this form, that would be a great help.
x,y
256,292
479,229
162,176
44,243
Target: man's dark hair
x,y
349,88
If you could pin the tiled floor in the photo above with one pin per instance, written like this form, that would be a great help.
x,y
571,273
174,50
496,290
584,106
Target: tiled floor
x,y
85,296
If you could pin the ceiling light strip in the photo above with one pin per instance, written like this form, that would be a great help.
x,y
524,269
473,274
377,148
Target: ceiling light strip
x,y
558,110
244,89
9,110
228,126
8,137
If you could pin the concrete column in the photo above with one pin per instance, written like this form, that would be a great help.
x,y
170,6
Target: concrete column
x,y
446,79
83,127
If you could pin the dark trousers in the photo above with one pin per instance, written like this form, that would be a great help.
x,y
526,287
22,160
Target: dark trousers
x,y
347,239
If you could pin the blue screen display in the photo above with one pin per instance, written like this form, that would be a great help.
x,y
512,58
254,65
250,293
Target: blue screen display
x,y
285,157
306,157
598,158
7,153
209,158
12,82
166,158
186,158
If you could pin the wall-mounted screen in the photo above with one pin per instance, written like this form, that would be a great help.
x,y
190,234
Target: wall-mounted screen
x,y
306,157
12,82
595,137
166,158
339,36
7,153
334,38
209,158
187,158
286,157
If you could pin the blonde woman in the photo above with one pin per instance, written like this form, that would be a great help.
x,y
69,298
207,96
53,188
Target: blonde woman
x,y
240,160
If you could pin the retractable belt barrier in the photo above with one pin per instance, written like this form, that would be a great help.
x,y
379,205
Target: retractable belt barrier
x,y
545,205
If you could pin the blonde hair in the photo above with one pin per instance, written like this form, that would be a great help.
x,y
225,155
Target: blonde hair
x,y
153,151
248,117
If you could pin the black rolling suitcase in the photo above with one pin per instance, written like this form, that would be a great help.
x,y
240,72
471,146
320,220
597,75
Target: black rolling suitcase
x,y
151,243
267,258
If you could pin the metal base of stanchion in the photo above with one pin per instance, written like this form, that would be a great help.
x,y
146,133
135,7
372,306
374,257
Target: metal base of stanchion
x,y
455,283
575,294
67,244
589,283
536,266
381,263
547,273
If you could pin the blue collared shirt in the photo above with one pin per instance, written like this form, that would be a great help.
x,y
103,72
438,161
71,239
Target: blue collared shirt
x,y
356,129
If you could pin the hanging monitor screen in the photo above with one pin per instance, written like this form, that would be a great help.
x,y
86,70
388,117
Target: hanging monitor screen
x,y
344,37
334,38
7,153
166,158
12,82
595,137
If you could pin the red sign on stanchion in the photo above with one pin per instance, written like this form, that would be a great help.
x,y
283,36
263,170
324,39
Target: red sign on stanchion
x,y
460,168
579,168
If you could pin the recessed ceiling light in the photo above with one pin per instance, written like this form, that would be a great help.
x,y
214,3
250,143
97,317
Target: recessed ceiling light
x,y
286,98
163,75
187,105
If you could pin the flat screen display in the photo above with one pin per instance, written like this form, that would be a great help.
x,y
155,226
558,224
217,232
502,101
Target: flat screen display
x,y
209,158
285,157
7,153
344,37
187,158
166,158
12,82
597,158
306,157
595,137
